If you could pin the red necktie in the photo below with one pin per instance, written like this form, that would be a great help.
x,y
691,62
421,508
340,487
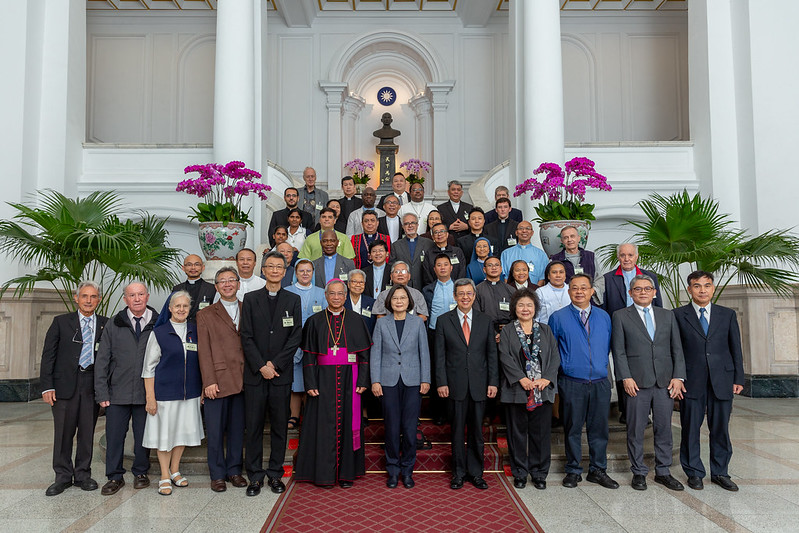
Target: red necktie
x,y
466,330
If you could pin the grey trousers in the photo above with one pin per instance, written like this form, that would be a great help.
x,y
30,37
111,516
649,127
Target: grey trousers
x,y
657,399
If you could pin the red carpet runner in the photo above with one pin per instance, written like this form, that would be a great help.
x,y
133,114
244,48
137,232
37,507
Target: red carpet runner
x,y
430,506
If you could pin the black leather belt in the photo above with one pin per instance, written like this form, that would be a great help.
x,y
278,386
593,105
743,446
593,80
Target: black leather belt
x,y
89,368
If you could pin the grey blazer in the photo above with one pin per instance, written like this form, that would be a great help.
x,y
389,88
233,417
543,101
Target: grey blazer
x,y
636,356
512,364
343,266
391,357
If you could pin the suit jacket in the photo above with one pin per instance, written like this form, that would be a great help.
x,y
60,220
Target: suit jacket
x,y
382,226
392,357
265,337
405,199
347,207
384,282
343,266
219,350
448,215
515,215
455,254
367,304
466,368
717,355
512,365
401,251
281,218
492,228
649,362
61,354
615,296
207,294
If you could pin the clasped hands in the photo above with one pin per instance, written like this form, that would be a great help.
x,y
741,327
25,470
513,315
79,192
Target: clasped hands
x,y
268,371
676,388
528,384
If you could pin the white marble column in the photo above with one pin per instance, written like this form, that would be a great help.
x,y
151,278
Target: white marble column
x,y
423,113
335,97
535,33
351,110
438,93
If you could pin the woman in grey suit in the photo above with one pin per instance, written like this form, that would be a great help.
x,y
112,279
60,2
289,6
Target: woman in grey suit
x,y
400,370
529,361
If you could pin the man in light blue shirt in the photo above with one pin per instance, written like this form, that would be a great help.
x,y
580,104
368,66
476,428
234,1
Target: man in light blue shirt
x,y
535,257
440,298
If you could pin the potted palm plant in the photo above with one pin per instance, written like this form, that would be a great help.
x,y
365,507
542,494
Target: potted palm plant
x,y
684,232
563,191
223,222
68,240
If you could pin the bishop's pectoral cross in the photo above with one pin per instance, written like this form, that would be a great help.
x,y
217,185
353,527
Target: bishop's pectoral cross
x,y
335,349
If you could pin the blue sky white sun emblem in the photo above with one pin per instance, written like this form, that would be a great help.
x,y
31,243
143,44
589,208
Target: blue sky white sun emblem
x,y
386,96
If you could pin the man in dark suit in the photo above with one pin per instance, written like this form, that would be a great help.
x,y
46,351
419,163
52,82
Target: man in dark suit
x,y
613,293
221,360
378,274
391,223
410,249
67,380
648,358
455,213
349,202
440,246
281,217
714,370
331,264
271,330
503,228
398,184
119,387
202,293
476,230
466,373
502,193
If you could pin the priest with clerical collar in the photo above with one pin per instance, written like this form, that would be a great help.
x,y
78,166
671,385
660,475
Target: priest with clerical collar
x,y
335,348
202,293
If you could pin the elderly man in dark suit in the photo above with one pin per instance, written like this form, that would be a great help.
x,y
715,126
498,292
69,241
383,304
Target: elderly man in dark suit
x,y
466,373
714,370
455,213
221,359
271,330
67,379
613,293
410,249
649,360
119,387
202,293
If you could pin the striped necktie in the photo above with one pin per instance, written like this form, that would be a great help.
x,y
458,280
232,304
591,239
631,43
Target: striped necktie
x,y
88,341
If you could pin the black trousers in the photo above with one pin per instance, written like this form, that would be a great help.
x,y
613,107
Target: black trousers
x,y
438,405
258,400
401,405
77,414
117,420
692,415
224,424
529,443
467,458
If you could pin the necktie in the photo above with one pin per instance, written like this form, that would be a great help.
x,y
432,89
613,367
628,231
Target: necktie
x,y
399,197
88,341
137,329
466,330
584,320
650,326
703,320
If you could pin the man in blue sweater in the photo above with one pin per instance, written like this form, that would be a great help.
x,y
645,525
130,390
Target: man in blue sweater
x,y
583,334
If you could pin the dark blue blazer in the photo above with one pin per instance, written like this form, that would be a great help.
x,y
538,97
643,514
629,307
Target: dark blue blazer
x,y
367,303
615,296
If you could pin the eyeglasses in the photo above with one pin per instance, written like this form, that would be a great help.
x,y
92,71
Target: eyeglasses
x,y
227,281
440,232
357,281
192,264
410,223
639,290
403,271
274,267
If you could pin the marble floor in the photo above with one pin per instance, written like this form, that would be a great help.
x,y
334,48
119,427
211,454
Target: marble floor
x,y
765,465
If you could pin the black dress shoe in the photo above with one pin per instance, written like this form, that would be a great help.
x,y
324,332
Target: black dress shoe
x,y
57,488
141,481
571,480
456,483
87,484
112,487
276,485
622,419
408,482
724,482
254,488
540,484
519,482
392,482
639,482
669,482
345,484
439,421
695,483
601,477
479,483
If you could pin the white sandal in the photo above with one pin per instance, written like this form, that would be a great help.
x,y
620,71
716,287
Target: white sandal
x,y
179,480
164,487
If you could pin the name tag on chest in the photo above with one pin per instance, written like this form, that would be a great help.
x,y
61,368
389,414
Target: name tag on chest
x,y
366,312
455,261
504,306
316,308
288,322
190,346
203,305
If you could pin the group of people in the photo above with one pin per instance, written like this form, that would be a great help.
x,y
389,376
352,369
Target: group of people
x,y
353,304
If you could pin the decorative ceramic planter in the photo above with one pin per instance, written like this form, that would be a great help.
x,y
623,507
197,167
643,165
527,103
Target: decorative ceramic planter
x,y
222,241
549,232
